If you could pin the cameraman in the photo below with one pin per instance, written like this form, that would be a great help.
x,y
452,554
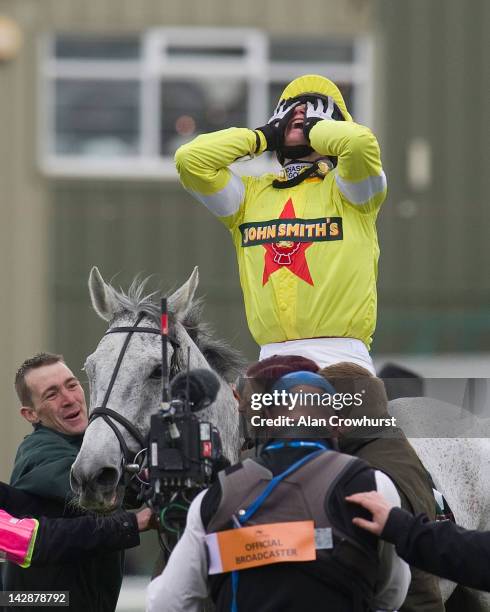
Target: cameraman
x,y
306,481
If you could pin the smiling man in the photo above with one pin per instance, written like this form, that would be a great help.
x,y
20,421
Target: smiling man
x,y
52,396
306,239
53,401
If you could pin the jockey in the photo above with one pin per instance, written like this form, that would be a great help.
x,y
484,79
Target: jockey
x,y
306,240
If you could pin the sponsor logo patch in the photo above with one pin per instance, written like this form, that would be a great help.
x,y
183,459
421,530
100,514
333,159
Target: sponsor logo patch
x,y
291,230
286,240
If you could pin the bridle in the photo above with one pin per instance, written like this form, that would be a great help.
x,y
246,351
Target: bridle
x,y
108,415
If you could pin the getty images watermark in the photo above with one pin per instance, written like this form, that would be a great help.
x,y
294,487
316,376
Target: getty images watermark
x,y
307,408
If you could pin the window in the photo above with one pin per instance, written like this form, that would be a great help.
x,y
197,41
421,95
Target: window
x,y
120,106
96,117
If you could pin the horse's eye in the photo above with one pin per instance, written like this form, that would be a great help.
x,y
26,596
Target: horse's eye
x,y
157,373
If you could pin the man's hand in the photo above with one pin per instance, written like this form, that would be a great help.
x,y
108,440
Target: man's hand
x,y
274,130
318,109
144,520
377,505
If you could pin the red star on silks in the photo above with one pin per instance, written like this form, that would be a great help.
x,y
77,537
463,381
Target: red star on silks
x,y
287,253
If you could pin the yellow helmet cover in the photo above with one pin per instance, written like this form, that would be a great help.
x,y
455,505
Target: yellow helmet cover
x,y
316,84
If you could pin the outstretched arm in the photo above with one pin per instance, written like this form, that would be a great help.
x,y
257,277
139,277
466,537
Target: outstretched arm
x,y
49,541
440,548
64,539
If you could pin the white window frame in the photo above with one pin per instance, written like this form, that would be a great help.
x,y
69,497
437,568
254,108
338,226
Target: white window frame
x,y
155,64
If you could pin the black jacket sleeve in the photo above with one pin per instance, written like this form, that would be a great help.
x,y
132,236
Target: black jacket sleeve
x,y
20,504
441,548
63,539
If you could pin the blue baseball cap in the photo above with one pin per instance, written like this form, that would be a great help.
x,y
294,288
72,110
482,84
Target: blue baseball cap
x,y
303,377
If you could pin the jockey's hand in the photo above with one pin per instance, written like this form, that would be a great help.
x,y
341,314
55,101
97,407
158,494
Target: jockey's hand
x,y
146,520
377,505
318,109
274,130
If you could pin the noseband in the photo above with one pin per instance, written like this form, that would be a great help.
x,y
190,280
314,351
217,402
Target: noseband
x,y
109,415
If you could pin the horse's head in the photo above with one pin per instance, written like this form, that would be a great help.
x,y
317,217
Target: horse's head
x,y
125,377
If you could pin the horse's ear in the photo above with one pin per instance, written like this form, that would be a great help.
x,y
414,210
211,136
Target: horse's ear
x,y
180,301
101,295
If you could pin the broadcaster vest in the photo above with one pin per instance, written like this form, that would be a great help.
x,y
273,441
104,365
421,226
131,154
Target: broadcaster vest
x,y
306,494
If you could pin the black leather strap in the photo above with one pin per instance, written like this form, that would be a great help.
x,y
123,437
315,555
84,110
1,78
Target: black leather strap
x,y
105,413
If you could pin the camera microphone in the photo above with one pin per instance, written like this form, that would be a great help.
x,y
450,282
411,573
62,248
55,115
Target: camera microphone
x,y
203,386
183,450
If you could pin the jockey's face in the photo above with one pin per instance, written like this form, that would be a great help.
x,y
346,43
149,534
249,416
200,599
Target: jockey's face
x,y
58,400
293,134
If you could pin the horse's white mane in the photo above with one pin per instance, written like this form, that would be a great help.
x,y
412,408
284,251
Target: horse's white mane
x,y
134,300
224,359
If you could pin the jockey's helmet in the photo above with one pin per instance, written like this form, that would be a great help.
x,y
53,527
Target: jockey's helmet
x,y
306,86
311,84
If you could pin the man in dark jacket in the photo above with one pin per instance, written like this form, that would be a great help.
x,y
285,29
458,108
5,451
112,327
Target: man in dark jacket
x,y
387,449
53,400
441,548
